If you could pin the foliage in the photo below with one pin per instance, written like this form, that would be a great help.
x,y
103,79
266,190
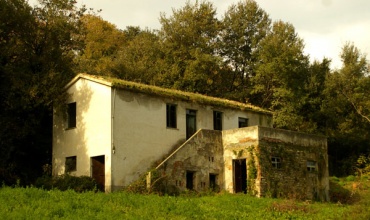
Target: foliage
x,y
244,26
37,47
102,41
363,165
26,203
67,182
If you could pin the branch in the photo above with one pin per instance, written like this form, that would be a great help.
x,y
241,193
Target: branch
x,y
355,107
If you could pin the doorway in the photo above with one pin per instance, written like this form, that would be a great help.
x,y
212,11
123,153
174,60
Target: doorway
x,y
189,180
98,171
240,175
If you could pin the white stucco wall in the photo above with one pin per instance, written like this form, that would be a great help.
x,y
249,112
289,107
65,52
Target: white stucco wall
x,y
92,135
142,139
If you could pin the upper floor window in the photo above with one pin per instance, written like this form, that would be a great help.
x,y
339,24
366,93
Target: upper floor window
x,y
71,115
171,116
311,166
243,122
276,162
217,120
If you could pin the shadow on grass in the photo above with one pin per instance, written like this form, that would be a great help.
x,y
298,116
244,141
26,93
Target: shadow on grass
x,y
339,194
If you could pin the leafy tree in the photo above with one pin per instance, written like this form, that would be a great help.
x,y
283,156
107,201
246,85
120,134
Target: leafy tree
x,y
243,27
188,38
37,51
346,108
281,74
140,58
102,42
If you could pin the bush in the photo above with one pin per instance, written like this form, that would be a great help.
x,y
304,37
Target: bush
x,y
350,178
65,182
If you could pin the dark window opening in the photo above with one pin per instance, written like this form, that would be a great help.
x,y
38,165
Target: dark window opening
x,y
71,115
311,166
276,162
190,180
243,122
191,122
212,181
171,116
71,164
217,120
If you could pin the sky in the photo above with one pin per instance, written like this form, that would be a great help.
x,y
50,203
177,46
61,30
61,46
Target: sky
x,y
324,25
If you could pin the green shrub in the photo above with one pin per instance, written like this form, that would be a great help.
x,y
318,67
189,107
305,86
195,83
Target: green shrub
x,y
350,178
66,182
334,179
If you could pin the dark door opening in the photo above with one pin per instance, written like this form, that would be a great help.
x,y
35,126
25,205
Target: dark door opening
x,y
98,171
189,180
240,175
212,181
191,122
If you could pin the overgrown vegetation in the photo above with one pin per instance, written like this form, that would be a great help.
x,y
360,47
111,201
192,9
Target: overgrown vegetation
x,y
67,182
350,200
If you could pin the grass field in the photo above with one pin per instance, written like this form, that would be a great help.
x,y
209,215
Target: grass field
x,y
34,203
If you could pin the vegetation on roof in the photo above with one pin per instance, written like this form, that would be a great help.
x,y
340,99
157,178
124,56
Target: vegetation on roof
x,y
177,94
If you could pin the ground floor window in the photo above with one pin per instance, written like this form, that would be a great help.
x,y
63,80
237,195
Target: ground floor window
x,y
311,166
71,164
276,162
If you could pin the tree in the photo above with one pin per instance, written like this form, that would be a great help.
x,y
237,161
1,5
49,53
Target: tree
x,y
346,107
140,58
102,41
188,38
37,51
243,27
280,75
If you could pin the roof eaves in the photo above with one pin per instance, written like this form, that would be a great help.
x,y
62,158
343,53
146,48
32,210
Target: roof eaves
x,y
96,79
185,96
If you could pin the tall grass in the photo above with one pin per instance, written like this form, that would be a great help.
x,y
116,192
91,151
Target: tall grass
x,y
33,203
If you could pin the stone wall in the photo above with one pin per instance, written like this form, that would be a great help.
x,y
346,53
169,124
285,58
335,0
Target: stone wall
x,y
292,178
201,155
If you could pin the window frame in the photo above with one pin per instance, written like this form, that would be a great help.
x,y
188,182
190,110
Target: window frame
x,y
311,166
71,115
70,164
171,115
276,162
246,122
217,120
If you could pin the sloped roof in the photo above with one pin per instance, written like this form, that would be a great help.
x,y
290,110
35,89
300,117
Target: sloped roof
x,y
168,93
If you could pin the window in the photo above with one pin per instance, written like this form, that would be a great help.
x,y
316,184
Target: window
x,y
71,164
311,166
191,122
171,116
71,115
217,120
243,122
276,162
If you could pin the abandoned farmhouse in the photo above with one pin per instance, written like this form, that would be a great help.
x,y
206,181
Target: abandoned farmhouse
x,y
117,131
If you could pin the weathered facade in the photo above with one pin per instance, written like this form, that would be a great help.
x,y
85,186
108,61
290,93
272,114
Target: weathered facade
x,y
259,160
115,131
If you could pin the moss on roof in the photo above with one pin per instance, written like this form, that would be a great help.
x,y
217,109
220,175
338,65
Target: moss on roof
x,y
177,94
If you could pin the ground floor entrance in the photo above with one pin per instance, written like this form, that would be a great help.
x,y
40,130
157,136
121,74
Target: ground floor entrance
x,y
240,175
